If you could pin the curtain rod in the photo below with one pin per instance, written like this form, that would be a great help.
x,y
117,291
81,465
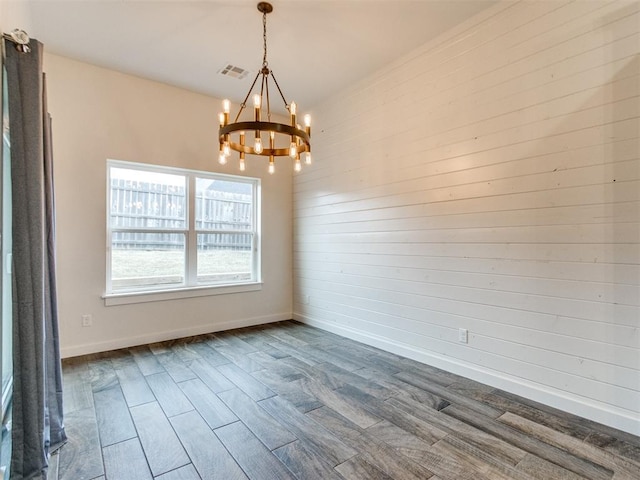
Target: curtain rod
x,y
20,38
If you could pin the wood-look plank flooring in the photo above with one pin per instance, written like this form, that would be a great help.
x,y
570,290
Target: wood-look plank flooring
x,y
287,401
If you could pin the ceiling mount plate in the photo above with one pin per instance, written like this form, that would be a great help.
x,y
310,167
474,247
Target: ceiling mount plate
x,y
265,7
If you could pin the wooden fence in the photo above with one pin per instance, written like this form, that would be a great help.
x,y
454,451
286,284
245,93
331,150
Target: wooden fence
x,y
139,206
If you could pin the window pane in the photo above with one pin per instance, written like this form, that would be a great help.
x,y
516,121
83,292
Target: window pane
x,y
223,205
142,199
224,258
147,259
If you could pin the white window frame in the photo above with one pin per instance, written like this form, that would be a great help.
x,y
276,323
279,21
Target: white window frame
x,y
190,287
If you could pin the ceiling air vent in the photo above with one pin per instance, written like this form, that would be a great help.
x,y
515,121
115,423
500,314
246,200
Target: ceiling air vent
x,y
234,72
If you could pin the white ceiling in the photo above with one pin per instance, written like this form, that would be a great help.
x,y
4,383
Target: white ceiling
x,y
315,48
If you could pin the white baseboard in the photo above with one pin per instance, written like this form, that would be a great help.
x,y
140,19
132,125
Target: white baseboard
x,y
76,350
595,411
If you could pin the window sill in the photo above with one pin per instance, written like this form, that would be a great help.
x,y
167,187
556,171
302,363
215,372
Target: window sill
x,y
126,298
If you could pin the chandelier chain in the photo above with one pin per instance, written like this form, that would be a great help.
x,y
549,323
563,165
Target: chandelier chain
x,y
264,39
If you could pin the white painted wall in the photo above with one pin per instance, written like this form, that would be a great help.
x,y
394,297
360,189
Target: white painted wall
x,y
489,181
100,114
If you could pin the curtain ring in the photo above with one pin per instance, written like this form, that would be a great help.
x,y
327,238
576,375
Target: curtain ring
x,y
21,40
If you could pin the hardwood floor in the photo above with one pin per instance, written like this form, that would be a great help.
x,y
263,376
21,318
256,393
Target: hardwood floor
x,y
286,401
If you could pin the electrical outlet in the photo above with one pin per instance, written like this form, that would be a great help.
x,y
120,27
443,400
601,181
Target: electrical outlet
x,y
463,335
87,320
306,299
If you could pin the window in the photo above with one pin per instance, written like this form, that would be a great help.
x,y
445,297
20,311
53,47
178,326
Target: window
x,y
173,229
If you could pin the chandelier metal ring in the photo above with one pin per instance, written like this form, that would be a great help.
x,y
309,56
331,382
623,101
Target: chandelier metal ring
x,y
266,127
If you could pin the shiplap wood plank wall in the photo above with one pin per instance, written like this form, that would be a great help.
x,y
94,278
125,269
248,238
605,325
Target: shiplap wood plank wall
x,y
489,180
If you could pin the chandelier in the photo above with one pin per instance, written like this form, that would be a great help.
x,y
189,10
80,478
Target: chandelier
x,y
233,136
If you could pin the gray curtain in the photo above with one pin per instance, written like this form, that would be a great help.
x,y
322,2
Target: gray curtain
x,y
38,427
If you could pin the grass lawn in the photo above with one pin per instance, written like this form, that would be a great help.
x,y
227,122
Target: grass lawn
x,y
150,264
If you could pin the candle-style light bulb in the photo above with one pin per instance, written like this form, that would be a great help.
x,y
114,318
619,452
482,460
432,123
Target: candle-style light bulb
x,y
226,149
293,150
226,105
292,108
222,159
307,120
243,167
307,158
297,166
272,139
257,146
